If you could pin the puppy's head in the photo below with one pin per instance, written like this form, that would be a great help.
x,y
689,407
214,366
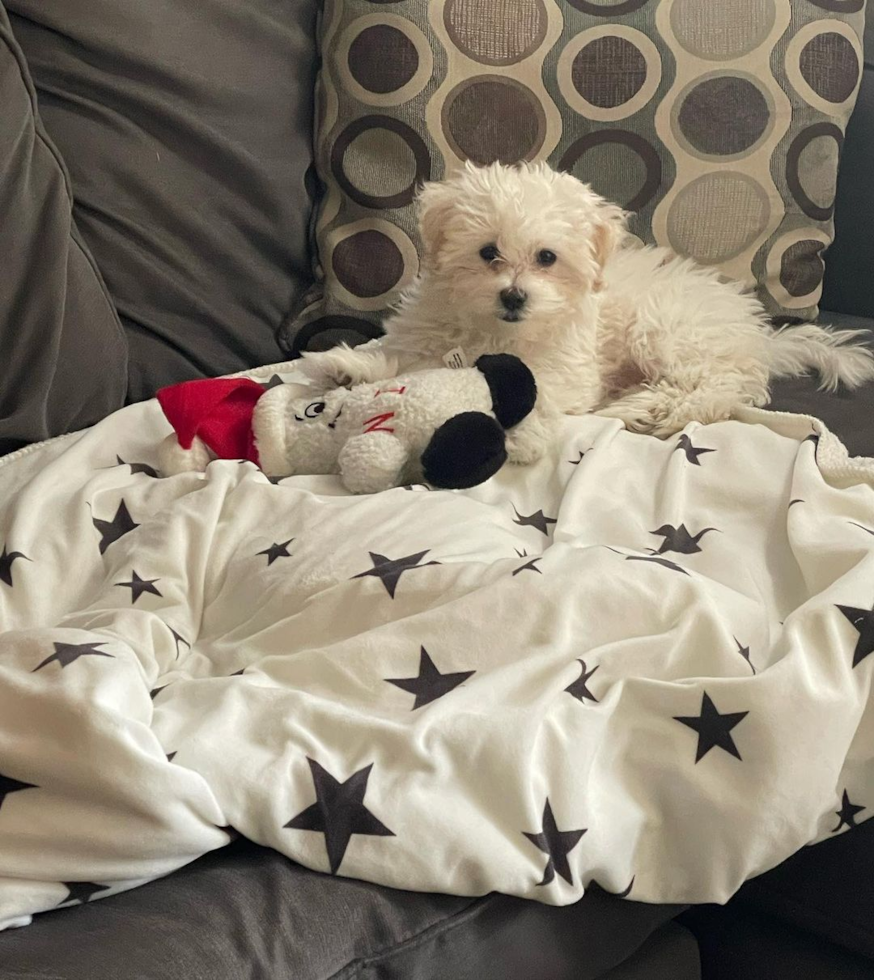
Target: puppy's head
x,y
516,247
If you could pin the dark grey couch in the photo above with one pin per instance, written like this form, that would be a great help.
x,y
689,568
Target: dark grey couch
x,y
181,128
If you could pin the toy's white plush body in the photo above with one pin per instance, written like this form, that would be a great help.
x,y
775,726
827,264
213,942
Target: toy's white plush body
x,y
372,435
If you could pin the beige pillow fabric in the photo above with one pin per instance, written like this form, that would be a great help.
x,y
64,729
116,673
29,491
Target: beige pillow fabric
x,y
719,124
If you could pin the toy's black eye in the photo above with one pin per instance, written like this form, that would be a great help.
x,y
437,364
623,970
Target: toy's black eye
x,y
315,409
488,253
545,257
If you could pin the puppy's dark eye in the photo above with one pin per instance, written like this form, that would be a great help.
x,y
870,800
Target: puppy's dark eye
x,y
488,253
545,257
315,409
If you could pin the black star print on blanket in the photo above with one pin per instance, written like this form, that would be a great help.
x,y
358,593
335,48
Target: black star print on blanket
x,y
692,452
7,559
68,653
9,785
713,728
339,812
430,684
111,531
557,844
863,621
389,570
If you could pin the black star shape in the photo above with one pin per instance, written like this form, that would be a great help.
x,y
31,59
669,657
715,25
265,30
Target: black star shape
x,y
139,467
744,652
339,812
277,551
6,561
863,621
81,891
430,683
658,561
67,653
536,519
679,539
576,462
862,526
178,639
692,453
557,844
579,689
529,566
9,785
713,728
274,382
794,501
138,586
111,531
389,570
623,894
847,813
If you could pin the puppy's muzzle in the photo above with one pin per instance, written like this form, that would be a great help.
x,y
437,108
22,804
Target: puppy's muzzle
x,y
513,301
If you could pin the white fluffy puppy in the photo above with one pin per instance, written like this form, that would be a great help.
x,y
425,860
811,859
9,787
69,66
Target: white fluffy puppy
x,y
531,262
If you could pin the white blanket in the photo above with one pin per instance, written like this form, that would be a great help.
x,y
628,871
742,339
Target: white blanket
x,y
639,663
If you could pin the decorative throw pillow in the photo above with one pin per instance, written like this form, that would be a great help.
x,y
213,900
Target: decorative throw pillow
x,y
719,124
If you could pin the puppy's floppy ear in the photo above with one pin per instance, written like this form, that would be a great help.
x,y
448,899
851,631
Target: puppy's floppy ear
x,y
435,202
608,230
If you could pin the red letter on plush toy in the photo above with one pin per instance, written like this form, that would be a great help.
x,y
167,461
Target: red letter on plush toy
x,y
375,424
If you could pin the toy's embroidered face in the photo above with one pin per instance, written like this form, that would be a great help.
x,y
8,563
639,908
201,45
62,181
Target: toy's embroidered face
x,y
322,411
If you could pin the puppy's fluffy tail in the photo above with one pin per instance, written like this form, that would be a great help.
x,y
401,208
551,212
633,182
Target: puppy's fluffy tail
x,y
834,354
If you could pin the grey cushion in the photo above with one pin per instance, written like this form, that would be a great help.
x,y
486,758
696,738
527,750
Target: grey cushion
x,y
849,279
55,315
186,126
249,912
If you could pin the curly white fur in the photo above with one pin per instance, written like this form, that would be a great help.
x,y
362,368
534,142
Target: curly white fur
x,y
634,333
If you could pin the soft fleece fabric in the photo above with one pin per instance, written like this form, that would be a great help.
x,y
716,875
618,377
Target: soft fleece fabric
x,y
639,663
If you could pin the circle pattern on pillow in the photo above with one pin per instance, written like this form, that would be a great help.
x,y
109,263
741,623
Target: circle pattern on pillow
x,y
719,125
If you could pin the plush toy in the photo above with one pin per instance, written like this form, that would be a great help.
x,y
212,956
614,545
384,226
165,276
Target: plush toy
x,y
444,426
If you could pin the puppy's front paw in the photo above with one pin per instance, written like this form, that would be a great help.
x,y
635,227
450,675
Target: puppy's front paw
x,y
526,443
327,369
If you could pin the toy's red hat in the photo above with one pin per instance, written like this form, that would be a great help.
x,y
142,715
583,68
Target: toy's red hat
x,y
219,411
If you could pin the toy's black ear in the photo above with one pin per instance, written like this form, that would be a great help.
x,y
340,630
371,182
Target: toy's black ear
x,y
464,452
512,385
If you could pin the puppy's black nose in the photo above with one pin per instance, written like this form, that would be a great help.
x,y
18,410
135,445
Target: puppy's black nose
x,y
513,299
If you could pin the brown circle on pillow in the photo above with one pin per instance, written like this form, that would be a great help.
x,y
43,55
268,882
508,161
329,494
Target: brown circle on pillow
x,y
367,263
609,71
723,115
494,118
801,267
496,32
840,6
420,161
382,59
830,66
608,9
794,176
645,151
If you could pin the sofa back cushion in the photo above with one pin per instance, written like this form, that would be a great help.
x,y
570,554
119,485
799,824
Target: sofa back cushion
x,y
718,124
187,129
63,356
